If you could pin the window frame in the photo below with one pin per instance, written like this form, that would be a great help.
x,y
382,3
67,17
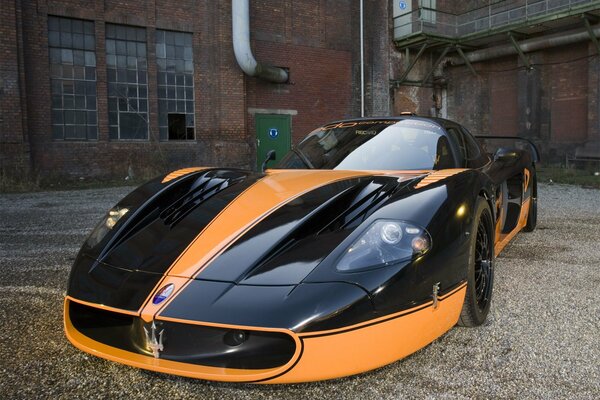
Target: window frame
x,y
176,90
73,68
126,49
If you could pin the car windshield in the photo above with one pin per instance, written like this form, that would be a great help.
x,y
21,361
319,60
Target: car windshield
x,y
408,144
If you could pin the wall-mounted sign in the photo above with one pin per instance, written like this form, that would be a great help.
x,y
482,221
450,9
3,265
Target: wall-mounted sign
x,y
273,133
402,5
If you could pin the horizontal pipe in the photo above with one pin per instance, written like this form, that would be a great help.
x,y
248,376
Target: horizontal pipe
x,y
528,45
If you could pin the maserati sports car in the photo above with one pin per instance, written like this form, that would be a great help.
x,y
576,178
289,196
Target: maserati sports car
x,y
366,242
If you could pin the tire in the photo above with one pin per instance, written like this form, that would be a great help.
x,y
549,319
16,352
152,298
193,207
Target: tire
x,y
532,214
480,271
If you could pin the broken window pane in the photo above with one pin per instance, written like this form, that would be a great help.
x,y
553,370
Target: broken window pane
x,y
127,82
177,126
175,85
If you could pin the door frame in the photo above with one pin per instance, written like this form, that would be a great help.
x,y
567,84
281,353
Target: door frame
x,y
279,115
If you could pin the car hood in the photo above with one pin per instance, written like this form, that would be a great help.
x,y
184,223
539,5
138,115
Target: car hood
x,y
267,229
231,226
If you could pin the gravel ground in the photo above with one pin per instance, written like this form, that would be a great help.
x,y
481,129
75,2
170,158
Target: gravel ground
x,y
541,339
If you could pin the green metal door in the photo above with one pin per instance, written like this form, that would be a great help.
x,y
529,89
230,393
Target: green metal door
x,y
273,132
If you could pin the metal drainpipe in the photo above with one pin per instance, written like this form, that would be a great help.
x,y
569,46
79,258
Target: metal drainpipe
x,y
554,40
240,21
362,63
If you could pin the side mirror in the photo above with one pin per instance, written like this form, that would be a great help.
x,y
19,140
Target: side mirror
x,y
506,155
271,155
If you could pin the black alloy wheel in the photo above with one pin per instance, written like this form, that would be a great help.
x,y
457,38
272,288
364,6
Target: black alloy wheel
x,y
483,265
480,269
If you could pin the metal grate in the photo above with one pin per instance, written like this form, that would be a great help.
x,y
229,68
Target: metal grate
x,y
495,16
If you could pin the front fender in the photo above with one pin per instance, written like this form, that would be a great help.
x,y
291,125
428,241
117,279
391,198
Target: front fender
x,y
445,208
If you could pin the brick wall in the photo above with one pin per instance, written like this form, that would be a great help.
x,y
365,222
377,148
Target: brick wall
x,y
315,40
555,104
14,153
316,47
567,84
503,92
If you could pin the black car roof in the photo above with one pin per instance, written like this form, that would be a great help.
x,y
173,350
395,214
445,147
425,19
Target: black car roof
x,y
441,122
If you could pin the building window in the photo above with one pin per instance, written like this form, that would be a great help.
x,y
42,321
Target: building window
x,y
127,77
72,45
175,85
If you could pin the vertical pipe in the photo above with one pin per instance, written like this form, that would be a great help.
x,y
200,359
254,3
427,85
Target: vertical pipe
x,y
240,26
362,64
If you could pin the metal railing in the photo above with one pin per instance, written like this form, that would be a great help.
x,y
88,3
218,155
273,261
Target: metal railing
x,y
492,17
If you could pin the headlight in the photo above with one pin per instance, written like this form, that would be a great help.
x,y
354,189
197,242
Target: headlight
x,y
114,216
107,223
385,242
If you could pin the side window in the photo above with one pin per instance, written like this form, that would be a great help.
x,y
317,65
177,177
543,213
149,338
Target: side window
x,y
457,138
475,157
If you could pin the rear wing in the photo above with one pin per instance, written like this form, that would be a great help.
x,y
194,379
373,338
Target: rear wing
x,y
494,142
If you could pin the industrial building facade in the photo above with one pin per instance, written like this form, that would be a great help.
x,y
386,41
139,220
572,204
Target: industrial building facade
x,y
100,88
527,68
106,88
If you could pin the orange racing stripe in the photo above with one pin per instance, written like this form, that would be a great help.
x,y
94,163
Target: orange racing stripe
x,y
180,172
438,176
249,208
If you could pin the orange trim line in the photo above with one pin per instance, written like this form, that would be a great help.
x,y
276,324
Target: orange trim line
x,y
102,306
438,176
318,355
180,172
503,239
384,318
98,349
372,346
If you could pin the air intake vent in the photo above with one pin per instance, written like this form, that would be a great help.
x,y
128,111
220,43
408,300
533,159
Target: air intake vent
x,y
203,188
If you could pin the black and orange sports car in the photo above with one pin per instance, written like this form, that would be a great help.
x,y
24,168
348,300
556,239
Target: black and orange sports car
x,y
369,240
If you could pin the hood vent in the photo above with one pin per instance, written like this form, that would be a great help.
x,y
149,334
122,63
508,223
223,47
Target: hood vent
x,y
203,188
324,228
172,205
368,200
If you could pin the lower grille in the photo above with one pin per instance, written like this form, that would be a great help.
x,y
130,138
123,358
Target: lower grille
x,y
195,344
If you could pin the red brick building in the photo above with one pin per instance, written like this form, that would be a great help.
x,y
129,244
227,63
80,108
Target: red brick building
x,y
103,88
99,88
532,69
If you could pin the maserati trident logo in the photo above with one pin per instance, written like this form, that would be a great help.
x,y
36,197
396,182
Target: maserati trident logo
x,y
154,342
163,293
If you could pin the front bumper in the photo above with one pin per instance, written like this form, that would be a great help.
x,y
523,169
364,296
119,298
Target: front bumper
x,y
197,349
194,350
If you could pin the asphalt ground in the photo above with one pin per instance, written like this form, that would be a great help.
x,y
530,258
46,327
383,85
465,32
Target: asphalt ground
x,y
541,339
